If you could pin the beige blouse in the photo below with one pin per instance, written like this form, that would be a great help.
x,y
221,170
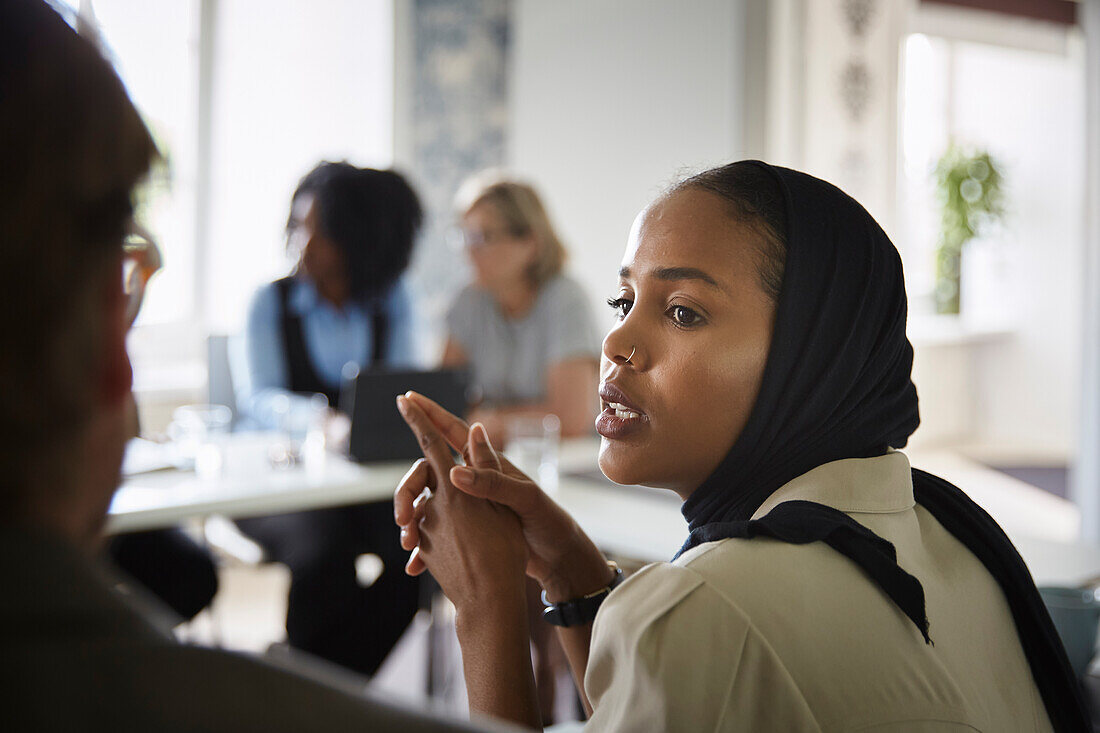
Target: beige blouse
x,y
760,635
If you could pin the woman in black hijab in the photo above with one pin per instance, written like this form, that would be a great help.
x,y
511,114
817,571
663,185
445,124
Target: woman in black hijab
x,y
760,369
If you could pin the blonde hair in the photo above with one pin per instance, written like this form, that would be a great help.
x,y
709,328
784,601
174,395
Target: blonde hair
x,y
523,213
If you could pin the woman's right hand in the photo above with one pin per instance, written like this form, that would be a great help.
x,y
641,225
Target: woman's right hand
x,y
561,557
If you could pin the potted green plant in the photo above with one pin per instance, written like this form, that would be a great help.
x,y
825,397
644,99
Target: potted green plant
x,y
969,187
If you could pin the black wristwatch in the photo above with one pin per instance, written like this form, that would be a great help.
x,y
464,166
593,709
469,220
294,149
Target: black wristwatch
x,y
581,610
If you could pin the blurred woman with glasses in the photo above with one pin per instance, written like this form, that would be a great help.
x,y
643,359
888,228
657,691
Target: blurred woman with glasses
x,y
524,328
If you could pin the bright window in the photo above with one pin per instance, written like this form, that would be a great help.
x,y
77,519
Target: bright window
x,y
154,46
1024,106
271,88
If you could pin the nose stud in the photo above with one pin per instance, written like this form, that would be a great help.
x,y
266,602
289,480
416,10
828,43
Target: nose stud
x,y
632,350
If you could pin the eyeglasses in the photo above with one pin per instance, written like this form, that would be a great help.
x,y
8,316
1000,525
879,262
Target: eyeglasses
x,y
140,261
471,240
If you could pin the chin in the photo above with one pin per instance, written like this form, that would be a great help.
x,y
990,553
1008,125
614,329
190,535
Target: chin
x,y
634,465
622,463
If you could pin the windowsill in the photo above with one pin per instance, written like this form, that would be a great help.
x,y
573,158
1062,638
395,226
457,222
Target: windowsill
x,y
927,330
1013,453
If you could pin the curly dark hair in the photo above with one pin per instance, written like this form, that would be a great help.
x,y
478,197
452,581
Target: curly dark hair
x,y
755,200
373,216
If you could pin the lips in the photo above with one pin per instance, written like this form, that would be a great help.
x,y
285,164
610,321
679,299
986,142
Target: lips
x,y
621,417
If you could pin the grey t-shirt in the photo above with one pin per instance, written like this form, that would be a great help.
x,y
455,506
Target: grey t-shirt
x,y
509,357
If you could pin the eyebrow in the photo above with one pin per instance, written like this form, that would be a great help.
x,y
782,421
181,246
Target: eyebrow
x,y
678,273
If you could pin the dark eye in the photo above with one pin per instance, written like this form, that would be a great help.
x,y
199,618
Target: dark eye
x,y
684,316
622,305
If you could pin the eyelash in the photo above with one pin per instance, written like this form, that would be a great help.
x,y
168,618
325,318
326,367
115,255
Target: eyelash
x,y
623,306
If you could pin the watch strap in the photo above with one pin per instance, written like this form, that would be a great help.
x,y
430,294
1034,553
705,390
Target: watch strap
x,y
580,611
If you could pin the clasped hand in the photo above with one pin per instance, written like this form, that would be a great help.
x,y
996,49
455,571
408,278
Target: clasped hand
x,y
478,526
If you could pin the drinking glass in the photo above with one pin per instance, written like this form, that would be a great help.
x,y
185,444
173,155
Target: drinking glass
x,y
531,444
301,424
198,432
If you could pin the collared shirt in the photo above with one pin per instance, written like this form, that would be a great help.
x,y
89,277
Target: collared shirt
x,y
333,337
760,635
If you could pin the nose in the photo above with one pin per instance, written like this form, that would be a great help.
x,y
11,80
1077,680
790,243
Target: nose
x,y
621,346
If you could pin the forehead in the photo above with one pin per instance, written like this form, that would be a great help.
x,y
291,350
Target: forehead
x,y
692,228
483,215
302,207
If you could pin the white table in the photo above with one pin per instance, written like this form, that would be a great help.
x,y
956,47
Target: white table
x,y
247,487
636,522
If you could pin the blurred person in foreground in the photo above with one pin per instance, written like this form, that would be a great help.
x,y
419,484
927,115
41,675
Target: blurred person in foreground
x,y
76,655
352,230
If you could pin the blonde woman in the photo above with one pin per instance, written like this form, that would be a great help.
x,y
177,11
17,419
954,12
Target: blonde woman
x,y
524,329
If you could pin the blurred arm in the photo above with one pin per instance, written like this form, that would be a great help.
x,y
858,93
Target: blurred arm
x,y
268,378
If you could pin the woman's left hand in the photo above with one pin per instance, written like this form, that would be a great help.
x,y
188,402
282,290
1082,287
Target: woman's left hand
x,y
474,548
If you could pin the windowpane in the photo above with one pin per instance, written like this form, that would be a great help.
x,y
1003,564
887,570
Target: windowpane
x,y
154,47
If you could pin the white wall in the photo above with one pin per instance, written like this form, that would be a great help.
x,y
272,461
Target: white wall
x,y
294,83
611,101
857,152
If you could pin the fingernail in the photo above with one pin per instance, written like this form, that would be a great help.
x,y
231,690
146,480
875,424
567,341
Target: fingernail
x,y
479,433
462,476
485,438
401,406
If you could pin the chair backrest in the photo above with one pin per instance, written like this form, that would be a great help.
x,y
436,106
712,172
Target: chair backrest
x,y
219,377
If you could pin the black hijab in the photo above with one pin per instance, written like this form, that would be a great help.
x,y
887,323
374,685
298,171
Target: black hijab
x,y
838,385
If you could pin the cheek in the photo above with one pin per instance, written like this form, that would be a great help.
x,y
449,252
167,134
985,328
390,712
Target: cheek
x,y
321,255
516,259
333,259
711,395
481,264
704,397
